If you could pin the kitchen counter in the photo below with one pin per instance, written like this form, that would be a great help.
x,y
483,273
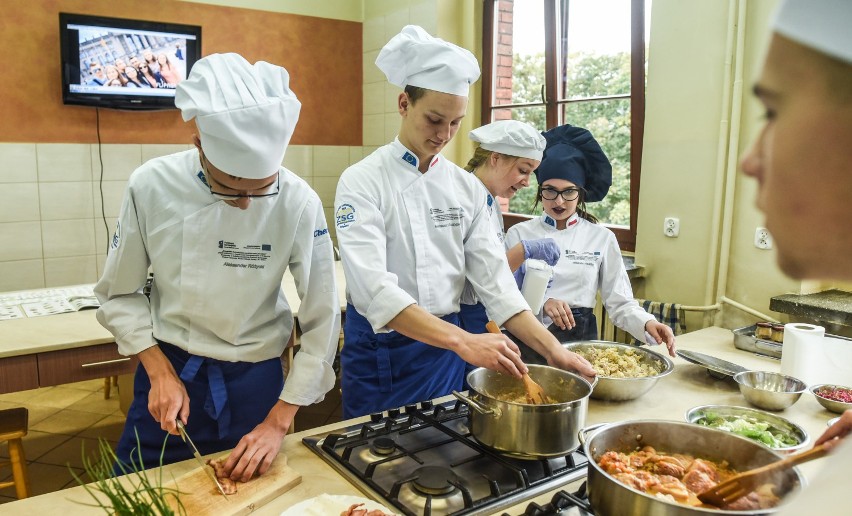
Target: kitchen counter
x,y
687,386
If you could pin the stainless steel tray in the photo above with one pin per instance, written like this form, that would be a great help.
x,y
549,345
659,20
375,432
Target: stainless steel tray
x,y
745,340
716,367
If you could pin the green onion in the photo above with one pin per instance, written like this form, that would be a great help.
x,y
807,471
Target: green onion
x,y
142,498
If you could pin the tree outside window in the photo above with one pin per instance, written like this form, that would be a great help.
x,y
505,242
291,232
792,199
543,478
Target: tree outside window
x,y
580,62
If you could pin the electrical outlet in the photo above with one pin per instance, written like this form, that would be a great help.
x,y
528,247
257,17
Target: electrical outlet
x,y
762,239
671,227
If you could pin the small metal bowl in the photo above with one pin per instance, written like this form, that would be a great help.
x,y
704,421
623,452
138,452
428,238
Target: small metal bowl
x,y
835,406
777,424
770,391
610,388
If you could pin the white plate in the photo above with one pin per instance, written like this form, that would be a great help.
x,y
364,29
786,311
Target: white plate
x,y
332,505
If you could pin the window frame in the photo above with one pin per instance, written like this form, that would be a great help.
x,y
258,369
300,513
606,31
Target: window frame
x,y
626,236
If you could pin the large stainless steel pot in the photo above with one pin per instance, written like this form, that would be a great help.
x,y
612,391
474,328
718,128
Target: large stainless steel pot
x,y
520,429
610,497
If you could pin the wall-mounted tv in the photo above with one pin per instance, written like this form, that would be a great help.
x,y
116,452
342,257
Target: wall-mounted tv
x,y
124,64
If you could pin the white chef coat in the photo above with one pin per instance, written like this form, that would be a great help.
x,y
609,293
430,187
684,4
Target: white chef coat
x,y
468,296
218,269
590,261
409,237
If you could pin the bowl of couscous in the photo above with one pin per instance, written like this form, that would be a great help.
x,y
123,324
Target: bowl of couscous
x,y
625,372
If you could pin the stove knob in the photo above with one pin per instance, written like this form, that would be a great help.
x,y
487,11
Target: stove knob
x,y
410,408
393,412
426,405
375,418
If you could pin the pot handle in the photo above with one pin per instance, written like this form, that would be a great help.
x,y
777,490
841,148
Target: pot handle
x,y
581,435
482,409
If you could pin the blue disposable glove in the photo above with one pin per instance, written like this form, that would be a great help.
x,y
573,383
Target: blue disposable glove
x,y
544,249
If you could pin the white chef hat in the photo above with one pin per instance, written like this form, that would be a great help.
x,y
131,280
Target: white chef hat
x,y
824,25
510,137
245,113
415,58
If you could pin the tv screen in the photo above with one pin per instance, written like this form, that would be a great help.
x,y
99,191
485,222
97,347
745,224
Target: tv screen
x,y
124,64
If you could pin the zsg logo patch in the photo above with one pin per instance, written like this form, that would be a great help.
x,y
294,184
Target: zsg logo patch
x,y
344,216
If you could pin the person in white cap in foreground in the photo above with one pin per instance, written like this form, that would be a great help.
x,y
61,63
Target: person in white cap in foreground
x,y
412,226
219,225
508,153
802,160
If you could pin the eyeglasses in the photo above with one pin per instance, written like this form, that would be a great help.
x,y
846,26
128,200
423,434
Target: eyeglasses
x,y
233,197
569,194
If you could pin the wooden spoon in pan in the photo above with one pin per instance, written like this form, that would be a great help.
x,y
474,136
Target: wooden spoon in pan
x,y
535,394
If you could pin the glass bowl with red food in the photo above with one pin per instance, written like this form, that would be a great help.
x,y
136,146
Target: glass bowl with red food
x,y
835,398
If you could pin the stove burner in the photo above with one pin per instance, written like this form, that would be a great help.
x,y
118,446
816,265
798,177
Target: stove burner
x,y
435,480
383,446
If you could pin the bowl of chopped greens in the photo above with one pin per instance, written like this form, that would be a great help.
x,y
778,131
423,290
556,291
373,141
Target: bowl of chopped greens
x,y
770,430
835,398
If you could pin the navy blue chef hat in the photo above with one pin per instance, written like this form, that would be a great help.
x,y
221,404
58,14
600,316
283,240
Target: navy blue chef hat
x,y
573,154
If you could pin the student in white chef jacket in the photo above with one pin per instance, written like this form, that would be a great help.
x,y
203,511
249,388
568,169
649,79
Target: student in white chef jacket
x,y
801,160
508,153
219,225
575,170
411,228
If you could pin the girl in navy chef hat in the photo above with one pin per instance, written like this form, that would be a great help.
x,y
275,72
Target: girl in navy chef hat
x,y
574,170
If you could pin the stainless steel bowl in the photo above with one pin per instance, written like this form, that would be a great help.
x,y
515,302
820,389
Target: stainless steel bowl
x,y
770,391
832,405
777,424
622,389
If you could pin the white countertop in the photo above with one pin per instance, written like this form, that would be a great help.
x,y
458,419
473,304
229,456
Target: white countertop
x,y
687,386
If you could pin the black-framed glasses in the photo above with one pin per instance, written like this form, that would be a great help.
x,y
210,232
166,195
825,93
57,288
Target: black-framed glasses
x,y
569,194
233,197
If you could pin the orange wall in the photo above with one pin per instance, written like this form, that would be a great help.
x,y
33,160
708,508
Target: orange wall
x,y
323,57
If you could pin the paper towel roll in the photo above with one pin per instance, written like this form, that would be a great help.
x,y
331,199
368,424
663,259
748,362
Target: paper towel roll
x,y
802,354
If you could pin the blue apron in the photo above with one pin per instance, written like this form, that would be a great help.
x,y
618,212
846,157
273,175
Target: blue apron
x,y
226,401
585,328
382,371
472,319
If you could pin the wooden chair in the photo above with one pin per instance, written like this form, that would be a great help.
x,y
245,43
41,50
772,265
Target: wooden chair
x,y
13,427
109,381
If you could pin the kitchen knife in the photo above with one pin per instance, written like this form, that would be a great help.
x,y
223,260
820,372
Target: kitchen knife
x,y
205,467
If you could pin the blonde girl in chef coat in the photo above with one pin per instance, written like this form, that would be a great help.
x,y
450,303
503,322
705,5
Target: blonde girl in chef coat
x,y
508,153
575,170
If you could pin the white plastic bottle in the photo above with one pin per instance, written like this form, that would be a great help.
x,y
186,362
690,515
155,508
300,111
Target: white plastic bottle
x,y
535,283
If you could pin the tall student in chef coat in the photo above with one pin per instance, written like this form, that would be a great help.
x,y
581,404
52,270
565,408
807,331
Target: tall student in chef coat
x,y
573,171
219,225
411,228
508,153
801,160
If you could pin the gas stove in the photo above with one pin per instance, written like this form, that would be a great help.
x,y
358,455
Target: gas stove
x,y
423,460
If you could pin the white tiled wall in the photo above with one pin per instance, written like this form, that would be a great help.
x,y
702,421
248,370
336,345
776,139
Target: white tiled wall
x,y
54,228
383,21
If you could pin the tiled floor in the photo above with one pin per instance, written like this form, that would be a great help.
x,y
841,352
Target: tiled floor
x,y
65,420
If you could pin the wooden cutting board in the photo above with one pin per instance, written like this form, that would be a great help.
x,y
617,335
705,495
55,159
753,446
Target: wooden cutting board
x,y
200,497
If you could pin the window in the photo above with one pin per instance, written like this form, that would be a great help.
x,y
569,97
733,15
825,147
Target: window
x,y
580,62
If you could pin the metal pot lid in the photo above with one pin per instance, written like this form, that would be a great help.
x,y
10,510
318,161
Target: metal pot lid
x,y
712,363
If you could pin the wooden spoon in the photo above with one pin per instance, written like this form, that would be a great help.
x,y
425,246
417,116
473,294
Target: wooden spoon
x,y
535,394
744,483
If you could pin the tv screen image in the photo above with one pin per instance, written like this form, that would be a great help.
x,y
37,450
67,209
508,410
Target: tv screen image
x,y
125,64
